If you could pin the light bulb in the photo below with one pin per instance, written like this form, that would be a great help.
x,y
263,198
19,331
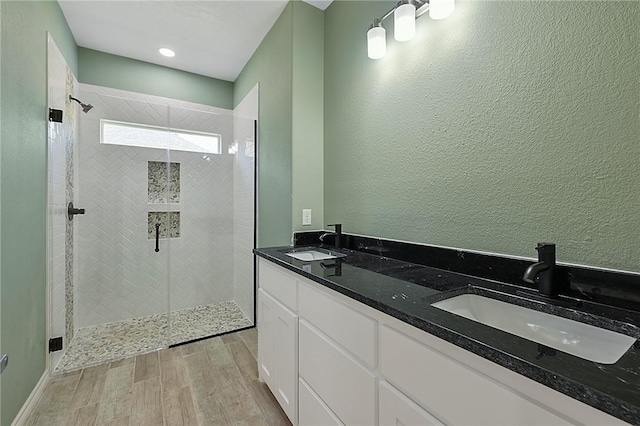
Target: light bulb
x,y
404,22
167,52
440,9
376,41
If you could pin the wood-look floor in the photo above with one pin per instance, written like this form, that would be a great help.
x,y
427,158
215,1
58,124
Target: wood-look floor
x,y
210,382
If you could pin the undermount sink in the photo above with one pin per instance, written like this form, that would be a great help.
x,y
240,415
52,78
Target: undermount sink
x,y
314,254
573,337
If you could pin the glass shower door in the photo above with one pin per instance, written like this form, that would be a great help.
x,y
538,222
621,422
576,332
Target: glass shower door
x,y
118,305
207,296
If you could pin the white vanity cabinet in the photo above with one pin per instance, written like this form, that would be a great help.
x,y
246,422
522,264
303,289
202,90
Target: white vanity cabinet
x,y
359,366
278,336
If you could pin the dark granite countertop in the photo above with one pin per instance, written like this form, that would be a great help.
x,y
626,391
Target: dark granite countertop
x,y
406,291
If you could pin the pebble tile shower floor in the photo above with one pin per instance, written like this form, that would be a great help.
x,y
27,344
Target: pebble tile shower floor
x,y
117,340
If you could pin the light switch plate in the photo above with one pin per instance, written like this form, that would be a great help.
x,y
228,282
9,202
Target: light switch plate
x,y
306,216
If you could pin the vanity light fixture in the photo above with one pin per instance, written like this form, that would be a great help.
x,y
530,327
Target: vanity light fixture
x,y
167,52
404,21
376,40
405,14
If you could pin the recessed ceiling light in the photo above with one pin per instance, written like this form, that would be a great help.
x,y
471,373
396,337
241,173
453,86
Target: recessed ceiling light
x,y
167,52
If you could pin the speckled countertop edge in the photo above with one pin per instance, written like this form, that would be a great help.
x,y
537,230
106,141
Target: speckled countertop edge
x,y
554,380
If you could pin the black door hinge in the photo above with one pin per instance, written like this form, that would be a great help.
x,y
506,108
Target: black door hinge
x,y
55,344
55,115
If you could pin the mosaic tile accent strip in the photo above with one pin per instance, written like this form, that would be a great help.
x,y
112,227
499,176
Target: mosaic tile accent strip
x,y
118,340
159,191
161,218
69,135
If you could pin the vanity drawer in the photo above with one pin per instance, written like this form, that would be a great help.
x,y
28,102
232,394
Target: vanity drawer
x,y
345,386
396,409
453,392
314,412
279,283
349,328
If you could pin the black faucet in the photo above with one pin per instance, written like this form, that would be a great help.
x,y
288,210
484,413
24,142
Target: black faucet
x,y
336,265
337,233
544,271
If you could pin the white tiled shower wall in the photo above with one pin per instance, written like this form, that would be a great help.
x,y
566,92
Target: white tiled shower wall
x,y
119,275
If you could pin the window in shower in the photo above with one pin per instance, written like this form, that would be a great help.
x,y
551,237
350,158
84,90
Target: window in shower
x,y
145,136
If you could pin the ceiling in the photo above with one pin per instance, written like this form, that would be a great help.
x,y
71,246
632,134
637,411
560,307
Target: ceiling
x,y
215,38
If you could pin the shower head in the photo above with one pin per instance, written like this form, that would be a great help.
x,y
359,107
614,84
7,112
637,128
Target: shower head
x,y
85,107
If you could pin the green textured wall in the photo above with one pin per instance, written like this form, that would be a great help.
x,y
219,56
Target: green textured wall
x,y
307,114
104,69
270,66
23,78
506,124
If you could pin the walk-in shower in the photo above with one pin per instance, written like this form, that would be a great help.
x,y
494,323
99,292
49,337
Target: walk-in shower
x,y
162,254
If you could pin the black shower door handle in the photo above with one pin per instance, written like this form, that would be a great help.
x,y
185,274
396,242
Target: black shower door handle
x,y
157,237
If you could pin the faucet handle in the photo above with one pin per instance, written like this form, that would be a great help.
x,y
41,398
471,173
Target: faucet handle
x,y
546,253
337,225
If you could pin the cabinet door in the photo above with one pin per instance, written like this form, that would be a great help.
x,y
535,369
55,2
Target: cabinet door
x,y
396,409
266,338
286,358
278,352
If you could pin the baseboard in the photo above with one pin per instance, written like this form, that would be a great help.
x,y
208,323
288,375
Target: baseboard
x,y
33,399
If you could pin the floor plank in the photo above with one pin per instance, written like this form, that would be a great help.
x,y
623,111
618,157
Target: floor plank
x,y
199,369
117,394
252,421
179,408
218,352
250,338
146,367
52,409
235,400
83,416
243,359
146,408
173,369
209,411
191,348
122,421
229,338
120,363
90,386
267,404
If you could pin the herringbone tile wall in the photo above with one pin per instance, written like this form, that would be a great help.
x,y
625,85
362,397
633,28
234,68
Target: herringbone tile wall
x,y
119,275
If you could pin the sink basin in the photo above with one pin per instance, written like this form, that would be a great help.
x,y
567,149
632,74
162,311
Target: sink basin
x,y
316,254
573,337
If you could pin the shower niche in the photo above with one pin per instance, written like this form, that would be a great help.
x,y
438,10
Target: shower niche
x,y
163,188
163,182
164,254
